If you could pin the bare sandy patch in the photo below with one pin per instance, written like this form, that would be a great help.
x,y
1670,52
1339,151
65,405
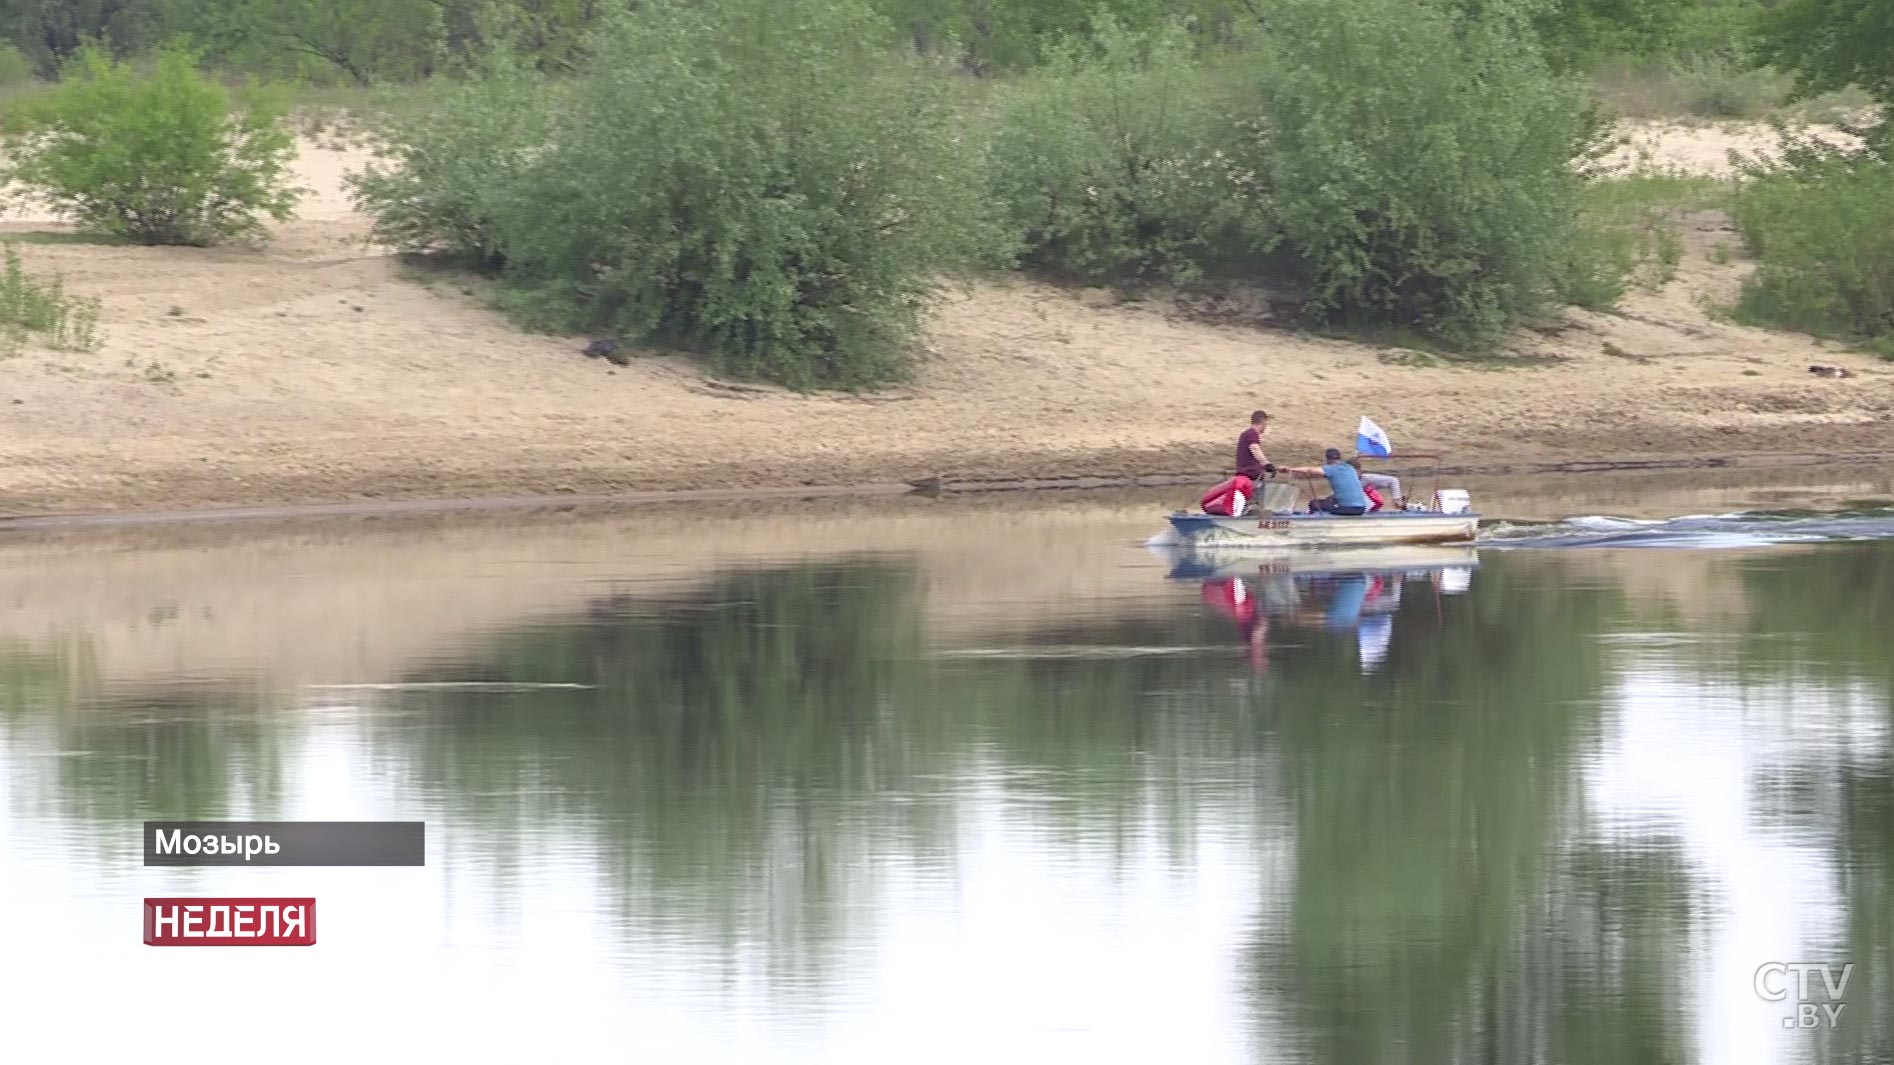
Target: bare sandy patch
x,y
1706,148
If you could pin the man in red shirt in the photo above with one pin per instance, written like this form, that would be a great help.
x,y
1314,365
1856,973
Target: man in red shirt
x,y
1250,460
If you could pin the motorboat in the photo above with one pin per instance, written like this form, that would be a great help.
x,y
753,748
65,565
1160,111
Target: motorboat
x,y
1273,522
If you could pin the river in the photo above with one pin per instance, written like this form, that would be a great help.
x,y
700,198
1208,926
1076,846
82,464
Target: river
x,y
964,780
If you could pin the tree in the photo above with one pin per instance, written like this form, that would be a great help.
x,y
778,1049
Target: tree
x,y
363,40
1831,44
1582,32
764,181
1014,34
1418,162
163,159
1113,161
51,32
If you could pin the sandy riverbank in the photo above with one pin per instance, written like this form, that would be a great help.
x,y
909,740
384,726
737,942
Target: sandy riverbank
x,y
314,370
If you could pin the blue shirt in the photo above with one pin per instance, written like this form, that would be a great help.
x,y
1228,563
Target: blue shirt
x,y
1346,484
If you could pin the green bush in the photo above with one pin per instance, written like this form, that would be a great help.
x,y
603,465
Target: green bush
x,y
160,160
1820,223
16,69
1014,35
761,180
1112,162
32,306
1717,86
451,167
1418,162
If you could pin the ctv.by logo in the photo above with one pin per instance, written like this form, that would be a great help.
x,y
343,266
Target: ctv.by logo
x,y
1775,980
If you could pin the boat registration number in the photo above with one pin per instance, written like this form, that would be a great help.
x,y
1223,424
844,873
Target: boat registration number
x,y
1274,526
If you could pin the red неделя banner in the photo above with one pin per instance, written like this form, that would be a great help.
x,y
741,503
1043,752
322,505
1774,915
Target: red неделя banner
x,y
230,922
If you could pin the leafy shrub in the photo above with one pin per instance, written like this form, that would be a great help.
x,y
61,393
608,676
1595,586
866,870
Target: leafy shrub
x,y
160,159
15,68
452,167
989,37
1721,87
1418,161
1113,162
30,305
1820,223
762,180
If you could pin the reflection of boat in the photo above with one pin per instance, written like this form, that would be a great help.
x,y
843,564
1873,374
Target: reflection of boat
x,y
1196,562
1356,589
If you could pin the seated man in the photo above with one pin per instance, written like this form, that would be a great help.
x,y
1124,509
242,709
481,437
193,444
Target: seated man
x,y
1344,484
1378,483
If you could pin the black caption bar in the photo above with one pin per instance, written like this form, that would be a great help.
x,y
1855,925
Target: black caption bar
x,y
285,843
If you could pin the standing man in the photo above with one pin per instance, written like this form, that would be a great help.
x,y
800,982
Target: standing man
x,y
1250,460
1344,485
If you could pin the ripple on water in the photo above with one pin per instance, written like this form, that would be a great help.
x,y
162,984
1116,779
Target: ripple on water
x,y
1743,529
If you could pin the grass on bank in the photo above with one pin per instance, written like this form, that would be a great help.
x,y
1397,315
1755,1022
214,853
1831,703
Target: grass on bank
x,y
35,307
1820,224
1640,217
1712,88
66,237
1630,232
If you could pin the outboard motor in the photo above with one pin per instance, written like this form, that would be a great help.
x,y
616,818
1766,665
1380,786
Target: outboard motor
x,y
1453,501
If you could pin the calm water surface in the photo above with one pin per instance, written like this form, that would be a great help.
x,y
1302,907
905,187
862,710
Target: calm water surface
x,y
913,782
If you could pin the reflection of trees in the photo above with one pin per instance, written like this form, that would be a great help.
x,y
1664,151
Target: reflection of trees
x,y
1866,1031
1434,917
1136,748
751,753
177,753
726,760
1613,945
1832,608
171,751
1822,620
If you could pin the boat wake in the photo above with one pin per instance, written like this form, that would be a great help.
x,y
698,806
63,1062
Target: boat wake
x,y
447,685
1076,652
1742,529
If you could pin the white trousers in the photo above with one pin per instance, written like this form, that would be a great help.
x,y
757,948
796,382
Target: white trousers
x,y
1385,483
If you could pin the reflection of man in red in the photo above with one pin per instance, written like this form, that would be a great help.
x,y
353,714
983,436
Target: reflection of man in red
x,y
1231,597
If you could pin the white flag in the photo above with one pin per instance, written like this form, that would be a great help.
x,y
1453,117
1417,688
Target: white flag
x,y
1371,439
